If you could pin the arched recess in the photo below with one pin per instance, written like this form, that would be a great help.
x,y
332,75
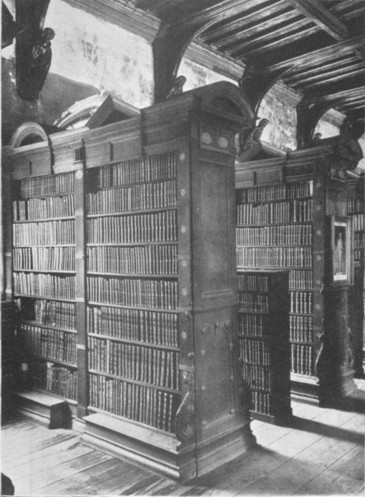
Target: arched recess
x,y
308,116
169,47
28,133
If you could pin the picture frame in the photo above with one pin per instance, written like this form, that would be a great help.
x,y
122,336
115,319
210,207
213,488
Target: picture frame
x,y
341,250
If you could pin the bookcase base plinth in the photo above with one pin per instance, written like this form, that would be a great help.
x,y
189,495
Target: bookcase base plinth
x,y
43,408
284,419
304,388
154,449
223,448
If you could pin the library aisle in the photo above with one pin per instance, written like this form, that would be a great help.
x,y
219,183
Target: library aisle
x,y
321,454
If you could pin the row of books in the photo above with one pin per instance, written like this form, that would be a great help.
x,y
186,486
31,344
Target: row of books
x,y
143,260
257,376
249,302
47,185
49,343
291,234
139,197
261,402
301,302
139,170
358,221
355,205
300,279
251,325
148,365
302,359
254,351
293,211
155,294
252,283
57,379
358,240
154,227
44,258
134,324
137,402
44,233
43,208
263,257
48,312
44,285
301,328
275,192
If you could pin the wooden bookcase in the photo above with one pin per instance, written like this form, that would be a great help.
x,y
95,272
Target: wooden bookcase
x,y
263,331
356,211
284,212
44,280
151,276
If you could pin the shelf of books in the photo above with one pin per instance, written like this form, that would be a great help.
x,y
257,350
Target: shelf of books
x,y
356,211
44,280
127,287
275,230
263,324
132,288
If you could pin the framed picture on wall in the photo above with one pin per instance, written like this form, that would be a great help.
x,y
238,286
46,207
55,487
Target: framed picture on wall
x,y
341,250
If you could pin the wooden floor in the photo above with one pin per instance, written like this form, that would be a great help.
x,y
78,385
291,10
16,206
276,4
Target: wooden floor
x,y
322,454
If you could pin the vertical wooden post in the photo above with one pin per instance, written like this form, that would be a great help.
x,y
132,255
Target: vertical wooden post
x,y
82,354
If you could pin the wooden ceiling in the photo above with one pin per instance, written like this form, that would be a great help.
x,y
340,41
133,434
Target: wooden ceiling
x,y
317,47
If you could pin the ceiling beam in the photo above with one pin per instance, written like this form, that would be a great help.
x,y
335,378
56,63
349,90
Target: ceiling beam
x,y
316,12
325,74
335,79
283,40
339,95
327,53
300,73
254,29
260,39
256,15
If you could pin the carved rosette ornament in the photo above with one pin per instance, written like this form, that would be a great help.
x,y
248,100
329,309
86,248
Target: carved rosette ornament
x,y
185,415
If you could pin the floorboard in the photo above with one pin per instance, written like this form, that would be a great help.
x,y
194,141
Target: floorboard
x,y
321,453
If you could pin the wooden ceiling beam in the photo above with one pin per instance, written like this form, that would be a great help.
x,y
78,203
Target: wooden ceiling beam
x,y
258,42
346,94
353,105
254,29
339,93
256,15
284,40
317,13
299,73
325,74
332,51
326,81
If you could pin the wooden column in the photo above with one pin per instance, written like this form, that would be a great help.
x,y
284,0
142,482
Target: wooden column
x,y
82,353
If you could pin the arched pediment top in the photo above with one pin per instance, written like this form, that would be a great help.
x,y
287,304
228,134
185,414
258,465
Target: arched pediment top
x,y
27,134
226,97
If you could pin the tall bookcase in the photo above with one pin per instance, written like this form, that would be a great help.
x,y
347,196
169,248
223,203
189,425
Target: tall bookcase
x,y
356,211
284,211
263,331
44,280
148,261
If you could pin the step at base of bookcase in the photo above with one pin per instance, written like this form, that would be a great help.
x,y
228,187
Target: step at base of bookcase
x,y
304,388
160,451
284,419
145,446
45,409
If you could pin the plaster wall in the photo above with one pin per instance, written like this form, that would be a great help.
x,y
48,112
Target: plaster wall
x,y
279,107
